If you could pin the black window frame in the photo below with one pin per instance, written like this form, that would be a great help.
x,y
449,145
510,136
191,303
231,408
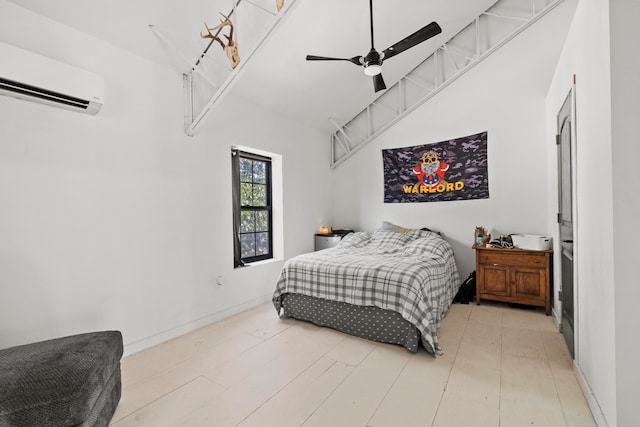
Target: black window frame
x,y
238,208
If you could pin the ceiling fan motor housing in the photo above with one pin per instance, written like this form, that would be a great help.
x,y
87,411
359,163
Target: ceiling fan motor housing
x,y
372,63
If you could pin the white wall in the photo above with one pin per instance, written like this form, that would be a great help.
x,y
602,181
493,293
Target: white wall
x,y
121,221
586,54
504,95
599,51
625,126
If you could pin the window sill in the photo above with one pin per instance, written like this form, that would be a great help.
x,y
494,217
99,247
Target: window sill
x,y
263,262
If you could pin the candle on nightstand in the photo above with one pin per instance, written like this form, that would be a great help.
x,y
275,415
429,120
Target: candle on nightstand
x,y
324,230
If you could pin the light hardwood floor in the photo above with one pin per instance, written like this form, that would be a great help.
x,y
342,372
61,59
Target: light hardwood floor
x,y
501,367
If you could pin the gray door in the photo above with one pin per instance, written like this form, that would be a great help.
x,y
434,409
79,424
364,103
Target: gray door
x,y
565,219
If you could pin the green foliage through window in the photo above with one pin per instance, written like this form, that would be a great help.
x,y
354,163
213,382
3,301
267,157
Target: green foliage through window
x,y
253,182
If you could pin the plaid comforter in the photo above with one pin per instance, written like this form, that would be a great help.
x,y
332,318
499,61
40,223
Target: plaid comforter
x,y
413,274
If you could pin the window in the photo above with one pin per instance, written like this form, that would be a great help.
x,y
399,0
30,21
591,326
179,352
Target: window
x,y
252,210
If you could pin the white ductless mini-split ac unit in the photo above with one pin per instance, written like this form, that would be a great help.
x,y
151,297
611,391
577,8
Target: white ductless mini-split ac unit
x,y
33,77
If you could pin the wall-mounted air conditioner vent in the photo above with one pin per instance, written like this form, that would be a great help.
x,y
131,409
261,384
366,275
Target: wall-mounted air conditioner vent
x,y
37,78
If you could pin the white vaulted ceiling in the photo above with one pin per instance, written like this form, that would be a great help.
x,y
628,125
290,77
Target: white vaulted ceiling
x,y
277,76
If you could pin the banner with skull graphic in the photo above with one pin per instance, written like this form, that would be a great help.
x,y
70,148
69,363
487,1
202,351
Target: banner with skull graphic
x,y
442,171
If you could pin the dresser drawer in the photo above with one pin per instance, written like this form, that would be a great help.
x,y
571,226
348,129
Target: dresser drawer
x,y
515,260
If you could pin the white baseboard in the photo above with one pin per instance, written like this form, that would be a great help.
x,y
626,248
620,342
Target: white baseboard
x,y
161,337
557,319
592,401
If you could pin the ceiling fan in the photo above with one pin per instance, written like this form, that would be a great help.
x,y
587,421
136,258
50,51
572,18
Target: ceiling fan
x,y
372,62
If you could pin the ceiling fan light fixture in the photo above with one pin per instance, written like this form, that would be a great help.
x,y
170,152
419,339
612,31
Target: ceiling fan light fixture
x,y
372,63
372,70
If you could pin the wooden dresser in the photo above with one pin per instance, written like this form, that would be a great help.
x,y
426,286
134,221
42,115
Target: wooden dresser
x,y
517,276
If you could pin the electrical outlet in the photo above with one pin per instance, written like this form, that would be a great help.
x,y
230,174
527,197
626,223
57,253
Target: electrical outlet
x,y
220,280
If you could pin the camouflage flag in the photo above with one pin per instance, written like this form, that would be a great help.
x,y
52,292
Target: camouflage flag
x,y
442,171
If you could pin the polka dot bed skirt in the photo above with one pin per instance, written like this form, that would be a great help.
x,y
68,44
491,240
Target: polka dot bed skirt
x,y
372,323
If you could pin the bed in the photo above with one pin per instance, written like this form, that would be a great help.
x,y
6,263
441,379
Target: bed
x,y
394,285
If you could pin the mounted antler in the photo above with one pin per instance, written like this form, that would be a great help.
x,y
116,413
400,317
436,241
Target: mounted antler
x,y
231,48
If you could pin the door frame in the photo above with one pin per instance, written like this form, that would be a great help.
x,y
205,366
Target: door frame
x,y
574,217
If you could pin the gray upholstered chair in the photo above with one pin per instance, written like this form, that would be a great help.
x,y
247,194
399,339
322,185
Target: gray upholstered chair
x,y
69,381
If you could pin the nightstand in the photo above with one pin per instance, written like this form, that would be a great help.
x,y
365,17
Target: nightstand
x,y
517,276
325,241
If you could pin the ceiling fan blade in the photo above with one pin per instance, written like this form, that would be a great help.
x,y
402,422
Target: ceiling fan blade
x,y
355,60
408,42
378,83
